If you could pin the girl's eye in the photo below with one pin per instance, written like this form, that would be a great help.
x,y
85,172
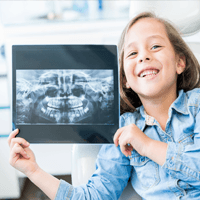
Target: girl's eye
x,y
132,54
155,47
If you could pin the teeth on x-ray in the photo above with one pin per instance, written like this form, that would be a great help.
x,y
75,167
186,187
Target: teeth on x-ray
x,y
64,96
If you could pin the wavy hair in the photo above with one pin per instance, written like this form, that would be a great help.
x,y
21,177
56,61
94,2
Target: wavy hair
x,y
187,80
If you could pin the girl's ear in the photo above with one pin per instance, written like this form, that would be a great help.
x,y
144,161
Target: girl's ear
x,y
181,64
127,85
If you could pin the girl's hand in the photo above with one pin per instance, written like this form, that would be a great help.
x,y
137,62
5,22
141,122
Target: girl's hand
x,y
131,137
21,156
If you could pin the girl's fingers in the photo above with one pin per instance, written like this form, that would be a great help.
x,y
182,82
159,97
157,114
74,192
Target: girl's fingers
x,y
117,135
12,135
17,149
129,149
20,141
126,150
125,147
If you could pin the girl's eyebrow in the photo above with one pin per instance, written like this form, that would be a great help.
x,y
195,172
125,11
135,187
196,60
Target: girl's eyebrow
x,y
148,38
129,45
156,36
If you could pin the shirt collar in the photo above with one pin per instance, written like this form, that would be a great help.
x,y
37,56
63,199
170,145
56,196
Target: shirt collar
x,y
149,120
180,104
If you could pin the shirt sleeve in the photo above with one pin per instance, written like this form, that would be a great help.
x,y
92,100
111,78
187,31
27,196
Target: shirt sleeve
x,y
108,181
183,161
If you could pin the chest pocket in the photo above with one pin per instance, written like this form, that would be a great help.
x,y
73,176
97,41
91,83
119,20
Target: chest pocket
x,y
147,171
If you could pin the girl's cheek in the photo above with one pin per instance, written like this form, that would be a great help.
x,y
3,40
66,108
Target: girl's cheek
x,y
128,65
129,68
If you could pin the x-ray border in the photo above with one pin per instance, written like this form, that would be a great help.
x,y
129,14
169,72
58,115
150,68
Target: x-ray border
x,y
29,57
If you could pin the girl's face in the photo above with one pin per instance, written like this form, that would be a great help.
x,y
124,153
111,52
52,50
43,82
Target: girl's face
x,y
150,63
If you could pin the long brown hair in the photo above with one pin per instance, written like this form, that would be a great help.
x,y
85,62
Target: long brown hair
x,y
187,80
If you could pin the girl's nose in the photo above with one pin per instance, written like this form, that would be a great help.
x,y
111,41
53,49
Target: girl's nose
x,y
144,59
144,56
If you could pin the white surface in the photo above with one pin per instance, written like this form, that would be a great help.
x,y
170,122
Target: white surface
x,y
181,13
9,185
3,67
52,158
195,47
83,162
5,122
4,100
26,10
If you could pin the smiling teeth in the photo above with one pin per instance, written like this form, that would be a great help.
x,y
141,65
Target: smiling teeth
x,y
148,72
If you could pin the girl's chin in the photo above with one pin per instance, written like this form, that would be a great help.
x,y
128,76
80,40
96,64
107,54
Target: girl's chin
x,y
150,94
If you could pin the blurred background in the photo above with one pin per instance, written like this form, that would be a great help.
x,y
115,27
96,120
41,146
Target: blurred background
x,y
65,22
48,22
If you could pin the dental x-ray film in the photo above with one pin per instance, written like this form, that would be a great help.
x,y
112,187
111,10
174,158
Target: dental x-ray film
x,y
65,93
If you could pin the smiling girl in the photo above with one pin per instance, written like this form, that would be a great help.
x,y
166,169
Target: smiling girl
x,y
158,144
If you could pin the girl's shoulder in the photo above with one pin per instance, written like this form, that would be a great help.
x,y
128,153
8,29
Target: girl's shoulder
x,y
193,97
195,91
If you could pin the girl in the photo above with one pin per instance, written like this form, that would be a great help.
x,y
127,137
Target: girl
x,y
159,138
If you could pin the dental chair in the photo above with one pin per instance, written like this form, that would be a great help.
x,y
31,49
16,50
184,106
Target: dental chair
x,y
186,16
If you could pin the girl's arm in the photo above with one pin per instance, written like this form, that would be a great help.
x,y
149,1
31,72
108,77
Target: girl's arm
x,y
46,182
156,151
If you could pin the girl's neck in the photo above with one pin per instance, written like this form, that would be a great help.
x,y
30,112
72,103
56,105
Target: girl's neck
x,y
159,107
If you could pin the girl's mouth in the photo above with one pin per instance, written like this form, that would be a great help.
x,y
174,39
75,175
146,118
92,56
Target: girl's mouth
x,y
148,73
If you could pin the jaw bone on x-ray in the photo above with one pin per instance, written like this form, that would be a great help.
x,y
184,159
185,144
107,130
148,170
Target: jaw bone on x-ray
x,y
64,96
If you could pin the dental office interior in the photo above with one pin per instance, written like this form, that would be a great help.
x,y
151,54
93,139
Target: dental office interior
x,y
70,22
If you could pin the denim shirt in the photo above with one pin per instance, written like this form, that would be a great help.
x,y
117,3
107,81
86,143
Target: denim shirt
x,y
178,178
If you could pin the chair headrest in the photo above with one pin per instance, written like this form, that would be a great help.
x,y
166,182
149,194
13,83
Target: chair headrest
x,y
183,14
